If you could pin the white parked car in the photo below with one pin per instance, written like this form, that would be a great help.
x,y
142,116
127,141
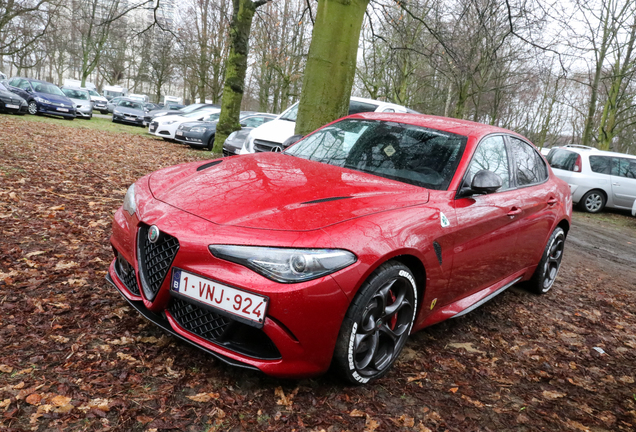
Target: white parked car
x,y
634,209
166,126
597,178
271,136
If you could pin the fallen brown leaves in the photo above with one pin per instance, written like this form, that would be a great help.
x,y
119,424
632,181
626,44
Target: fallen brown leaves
x,y
75,357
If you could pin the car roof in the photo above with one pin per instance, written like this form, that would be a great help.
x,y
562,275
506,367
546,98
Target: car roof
x,y
457,126
584,150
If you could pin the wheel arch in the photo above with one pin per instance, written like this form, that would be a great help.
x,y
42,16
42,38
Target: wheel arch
x,y
419,273
565,226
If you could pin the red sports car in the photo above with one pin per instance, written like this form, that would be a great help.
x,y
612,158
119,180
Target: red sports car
x,y
334,251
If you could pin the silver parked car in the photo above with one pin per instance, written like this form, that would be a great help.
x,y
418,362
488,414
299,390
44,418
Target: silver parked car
x,y
81,99
597,178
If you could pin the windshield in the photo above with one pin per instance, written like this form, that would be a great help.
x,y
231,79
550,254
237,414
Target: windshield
x,y
191,108
212,117
410,154
130,104
93,93
43,87
76,94
198,113
291,113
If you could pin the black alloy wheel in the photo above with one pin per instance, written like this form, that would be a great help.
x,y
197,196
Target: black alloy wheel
x,y
33,108
211,143
548,268
377,324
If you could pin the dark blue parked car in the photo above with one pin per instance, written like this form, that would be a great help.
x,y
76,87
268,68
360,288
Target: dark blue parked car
x,y
43,97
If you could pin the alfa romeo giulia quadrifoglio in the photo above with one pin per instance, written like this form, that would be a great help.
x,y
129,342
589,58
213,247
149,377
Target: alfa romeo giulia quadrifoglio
x,y
332,252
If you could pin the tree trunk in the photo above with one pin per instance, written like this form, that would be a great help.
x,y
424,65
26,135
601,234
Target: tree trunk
x,y
235,71
331,63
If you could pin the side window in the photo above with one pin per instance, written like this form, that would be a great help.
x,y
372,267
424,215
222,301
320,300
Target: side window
x,y
530,166
490,155
562,159
624,167
14,82
601,164
24,85
253,122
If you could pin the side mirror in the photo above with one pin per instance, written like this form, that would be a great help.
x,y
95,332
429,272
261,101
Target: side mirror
x,y
242,124
291,140
484,182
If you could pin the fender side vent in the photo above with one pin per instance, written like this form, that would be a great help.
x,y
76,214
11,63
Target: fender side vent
x,y
438,251
208,165
326,200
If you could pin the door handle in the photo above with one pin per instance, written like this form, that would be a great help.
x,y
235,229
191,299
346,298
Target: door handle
x,y
514,212
552,201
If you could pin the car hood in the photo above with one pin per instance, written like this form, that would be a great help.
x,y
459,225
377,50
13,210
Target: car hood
x,y
275,130
99,98
53,98
130,111
80,102
199,123
279,192
8,95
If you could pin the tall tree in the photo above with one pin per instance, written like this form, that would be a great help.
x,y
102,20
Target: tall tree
x,y
242,16
331,64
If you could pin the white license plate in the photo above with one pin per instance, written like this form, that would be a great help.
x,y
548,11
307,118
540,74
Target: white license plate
x,y
179,133
63,109
12,106
130,118
239,303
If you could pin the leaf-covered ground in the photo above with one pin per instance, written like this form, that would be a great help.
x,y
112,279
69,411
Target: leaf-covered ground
x,y
74,356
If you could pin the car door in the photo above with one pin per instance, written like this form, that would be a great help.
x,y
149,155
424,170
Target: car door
x,y
487,225
539,202
623,181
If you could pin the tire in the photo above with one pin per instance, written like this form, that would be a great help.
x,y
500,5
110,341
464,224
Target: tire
x,y
69,118
104,112
33,108
593,201
548,268
375,330
211,143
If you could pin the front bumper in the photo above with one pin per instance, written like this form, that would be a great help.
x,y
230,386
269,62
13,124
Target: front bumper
x,y
84,112
56,110
163,131
231,150
301,325
14,107
128,119
195,139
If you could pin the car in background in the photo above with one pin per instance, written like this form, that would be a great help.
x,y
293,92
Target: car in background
x,y
271,136
129,111
234,142
81,99
597,178
634,209
171,108
42,97
11,102
99,102
165,127
139,97
332,253
110,106
201,134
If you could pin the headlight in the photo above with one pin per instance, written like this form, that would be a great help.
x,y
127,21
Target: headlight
x,y
286,265
42,100
116,112
130,205
170,122
248,145
160,114
232,135
198,129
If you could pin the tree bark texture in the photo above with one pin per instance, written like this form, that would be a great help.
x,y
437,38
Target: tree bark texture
x,y
235,71
331,63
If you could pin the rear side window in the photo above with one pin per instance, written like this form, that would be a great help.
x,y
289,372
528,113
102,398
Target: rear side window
x,y
562,159
530,168
356,107
601,164
624,167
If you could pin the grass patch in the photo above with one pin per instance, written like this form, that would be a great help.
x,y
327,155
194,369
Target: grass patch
x,y
620,218
96,123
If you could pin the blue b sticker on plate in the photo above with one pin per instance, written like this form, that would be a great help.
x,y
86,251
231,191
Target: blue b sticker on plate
x,y
176,278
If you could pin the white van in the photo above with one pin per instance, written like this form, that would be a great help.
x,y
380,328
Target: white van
x,y
271,136
110,92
